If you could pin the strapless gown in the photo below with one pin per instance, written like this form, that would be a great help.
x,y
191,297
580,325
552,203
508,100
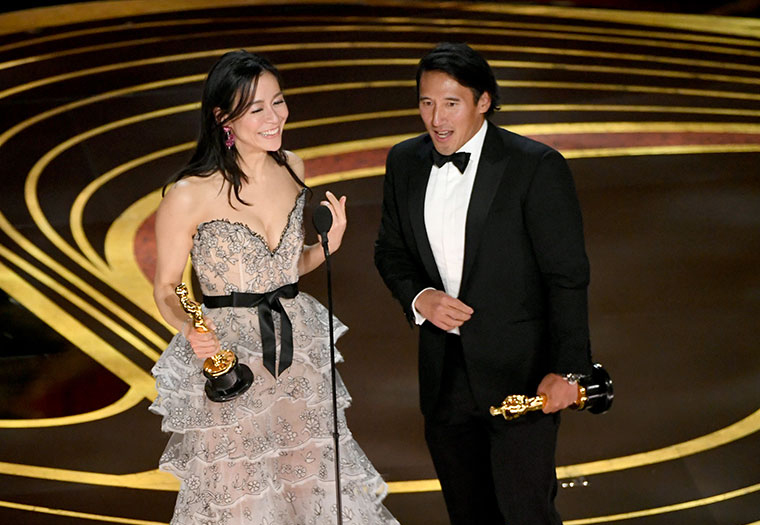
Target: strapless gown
x,y
267,456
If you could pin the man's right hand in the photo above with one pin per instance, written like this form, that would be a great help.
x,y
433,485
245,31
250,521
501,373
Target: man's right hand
x,y
444,311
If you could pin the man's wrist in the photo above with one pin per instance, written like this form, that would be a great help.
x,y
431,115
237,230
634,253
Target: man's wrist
x,y
572,378
418,317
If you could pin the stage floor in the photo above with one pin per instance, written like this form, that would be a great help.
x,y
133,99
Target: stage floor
x,y
657,113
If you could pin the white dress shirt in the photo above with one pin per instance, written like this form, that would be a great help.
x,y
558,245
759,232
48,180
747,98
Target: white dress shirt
x,y
447,199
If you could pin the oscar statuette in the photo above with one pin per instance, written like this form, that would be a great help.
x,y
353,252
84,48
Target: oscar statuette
x,y
595,394
225,377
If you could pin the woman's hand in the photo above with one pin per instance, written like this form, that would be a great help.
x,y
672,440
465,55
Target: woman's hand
x,y
204,344
338,209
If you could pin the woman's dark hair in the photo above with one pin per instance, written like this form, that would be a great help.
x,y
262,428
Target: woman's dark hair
x,y
227,94
466,66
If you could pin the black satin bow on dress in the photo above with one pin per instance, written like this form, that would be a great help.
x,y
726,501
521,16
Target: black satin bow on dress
x,y
266,302
459,160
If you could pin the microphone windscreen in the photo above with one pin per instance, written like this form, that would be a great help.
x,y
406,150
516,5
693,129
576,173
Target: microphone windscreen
x,y
322,219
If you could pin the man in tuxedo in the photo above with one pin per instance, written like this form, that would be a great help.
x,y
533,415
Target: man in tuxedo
x,y
481,241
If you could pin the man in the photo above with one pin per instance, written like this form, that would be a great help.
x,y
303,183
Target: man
x,y
489,258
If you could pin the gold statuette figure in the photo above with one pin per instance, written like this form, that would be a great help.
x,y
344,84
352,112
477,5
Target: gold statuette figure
x,y
225,377
516,405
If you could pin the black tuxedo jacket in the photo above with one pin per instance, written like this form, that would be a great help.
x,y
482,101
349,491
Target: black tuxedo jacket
x,y
525,270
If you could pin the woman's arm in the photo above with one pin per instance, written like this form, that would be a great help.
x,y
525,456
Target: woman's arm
x,y
176,221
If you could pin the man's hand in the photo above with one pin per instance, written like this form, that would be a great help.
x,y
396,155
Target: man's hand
x,y
442,310
558,391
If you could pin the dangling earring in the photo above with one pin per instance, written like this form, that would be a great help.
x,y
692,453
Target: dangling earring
x,y
229,138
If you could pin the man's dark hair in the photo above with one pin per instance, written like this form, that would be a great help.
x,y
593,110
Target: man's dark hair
x,y
466,66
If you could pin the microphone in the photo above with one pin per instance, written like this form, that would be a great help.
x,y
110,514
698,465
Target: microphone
x,y
322,219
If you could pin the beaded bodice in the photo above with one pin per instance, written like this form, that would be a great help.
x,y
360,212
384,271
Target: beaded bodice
x,y
231,257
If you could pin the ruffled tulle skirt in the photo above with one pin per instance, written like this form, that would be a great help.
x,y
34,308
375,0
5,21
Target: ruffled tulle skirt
x,y
267,456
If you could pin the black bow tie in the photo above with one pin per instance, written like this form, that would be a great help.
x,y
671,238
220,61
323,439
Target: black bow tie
x,y
459,160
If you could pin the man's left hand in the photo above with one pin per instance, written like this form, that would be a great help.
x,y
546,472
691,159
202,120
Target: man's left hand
x,y
559,393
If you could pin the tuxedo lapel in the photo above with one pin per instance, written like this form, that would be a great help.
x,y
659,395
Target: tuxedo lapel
x,y
491,168
418,175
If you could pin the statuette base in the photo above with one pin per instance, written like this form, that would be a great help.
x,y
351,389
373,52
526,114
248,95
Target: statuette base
x,y
230,385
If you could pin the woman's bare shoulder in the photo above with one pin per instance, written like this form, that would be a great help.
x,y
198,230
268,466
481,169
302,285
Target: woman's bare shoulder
x,y
190,194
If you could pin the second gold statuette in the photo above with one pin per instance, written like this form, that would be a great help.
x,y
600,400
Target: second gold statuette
x,y
595,394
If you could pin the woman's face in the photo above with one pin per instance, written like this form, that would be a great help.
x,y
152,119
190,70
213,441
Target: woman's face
x,y
260,128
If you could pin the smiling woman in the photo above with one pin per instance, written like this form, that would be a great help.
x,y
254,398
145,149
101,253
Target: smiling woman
x,y
237,209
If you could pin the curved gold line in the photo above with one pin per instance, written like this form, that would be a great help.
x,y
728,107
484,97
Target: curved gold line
x,y
628,88
150,480
360,173
669,508
652,73
127,401
524,64
61,15
618,56
375,171
647,151
119,250
705,23
723,436
564,128
512,108
413,486
74,514
620,108
391,20
69,327
636,127
104,69
582,86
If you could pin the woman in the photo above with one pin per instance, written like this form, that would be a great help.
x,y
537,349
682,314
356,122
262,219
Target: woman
x,y
264,457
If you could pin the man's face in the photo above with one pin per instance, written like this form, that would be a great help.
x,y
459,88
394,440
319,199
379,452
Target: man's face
x,y
449,111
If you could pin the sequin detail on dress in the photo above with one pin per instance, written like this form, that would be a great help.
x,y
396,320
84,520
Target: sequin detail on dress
x,y
266,457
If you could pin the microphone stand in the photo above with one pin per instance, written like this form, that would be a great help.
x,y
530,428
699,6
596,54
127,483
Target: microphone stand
x,y
336,435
